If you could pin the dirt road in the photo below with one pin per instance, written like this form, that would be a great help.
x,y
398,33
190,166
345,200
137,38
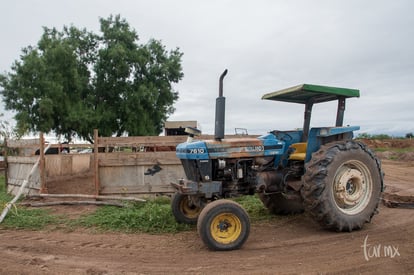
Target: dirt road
x,y
292,244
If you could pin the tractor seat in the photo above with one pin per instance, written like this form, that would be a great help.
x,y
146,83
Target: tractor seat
x,y
299,152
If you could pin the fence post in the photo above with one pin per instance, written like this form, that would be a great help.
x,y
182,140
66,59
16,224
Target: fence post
x,y
42,166
96,160
6,165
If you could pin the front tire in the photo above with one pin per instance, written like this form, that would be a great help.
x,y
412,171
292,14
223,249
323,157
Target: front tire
x,y
223,225
184,209
342,185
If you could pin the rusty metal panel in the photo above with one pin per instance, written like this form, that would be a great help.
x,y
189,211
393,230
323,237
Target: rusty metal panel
x,y
235,148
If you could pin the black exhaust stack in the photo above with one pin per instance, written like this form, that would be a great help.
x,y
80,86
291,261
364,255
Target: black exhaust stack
x,y
220,110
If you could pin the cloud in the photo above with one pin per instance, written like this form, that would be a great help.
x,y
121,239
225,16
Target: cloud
x,y
266,45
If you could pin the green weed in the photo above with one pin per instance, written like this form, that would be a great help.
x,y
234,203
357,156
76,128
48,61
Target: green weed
x,y
153,216
20,217
34,219
254,207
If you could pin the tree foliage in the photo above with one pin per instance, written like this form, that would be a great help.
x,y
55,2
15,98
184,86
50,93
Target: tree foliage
x,y
6,131
75,80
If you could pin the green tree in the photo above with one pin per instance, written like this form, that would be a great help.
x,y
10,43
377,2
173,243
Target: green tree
x,y
6,131
74,81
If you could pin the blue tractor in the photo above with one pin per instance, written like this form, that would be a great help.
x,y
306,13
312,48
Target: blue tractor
x,y
320,170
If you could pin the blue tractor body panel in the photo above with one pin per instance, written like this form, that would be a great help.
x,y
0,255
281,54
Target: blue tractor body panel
x,y
263,146
192,150
274,144
322,135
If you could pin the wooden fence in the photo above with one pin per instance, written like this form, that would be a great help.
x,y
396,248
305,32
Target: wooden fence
x,y
111,166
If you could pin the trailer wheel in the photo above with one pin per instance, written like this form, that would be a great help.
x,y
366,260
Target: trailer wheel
x,y
342,185
223,225
184,209
279,205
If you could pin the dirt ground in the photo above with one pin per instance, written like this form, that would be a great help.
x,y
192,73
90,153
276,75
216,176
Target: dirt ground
x,y
288,245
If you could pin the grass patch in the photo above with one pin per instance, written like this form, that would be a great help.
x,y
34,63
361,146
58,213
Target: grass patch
x,y
34,219
154,216
254,207
20,217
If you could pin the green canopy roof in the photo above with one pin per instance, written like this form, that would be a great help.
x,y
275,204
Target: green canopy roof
x,y
307,92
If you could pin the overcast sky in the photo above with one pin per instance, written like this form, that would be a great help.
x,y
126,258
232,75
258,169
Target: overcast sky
x,y
265,45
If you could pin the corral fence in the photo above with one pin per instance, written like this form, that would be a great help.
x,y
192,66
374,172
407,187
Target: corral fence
x,y
111,166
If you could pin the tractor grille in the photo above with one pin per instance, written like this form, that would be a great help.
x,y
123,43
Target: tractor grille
x,y
197,170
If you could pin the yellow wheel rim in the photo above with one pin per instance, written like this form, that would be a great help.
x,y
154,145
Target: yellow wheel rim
x,y
225,228
190,211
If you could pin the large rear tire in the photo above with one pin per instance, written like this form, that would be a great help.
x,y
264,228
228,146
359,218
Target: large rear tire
x,y
342,185
184,209
280,205
223,225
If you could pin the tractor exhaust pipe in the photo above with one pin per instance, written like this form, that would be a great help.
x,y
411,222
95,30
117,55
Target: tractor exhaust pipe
x,y
220,110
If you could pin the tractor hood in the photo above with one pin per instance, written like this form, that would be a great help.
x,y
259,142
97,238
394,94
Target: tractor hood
x,y
267,145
